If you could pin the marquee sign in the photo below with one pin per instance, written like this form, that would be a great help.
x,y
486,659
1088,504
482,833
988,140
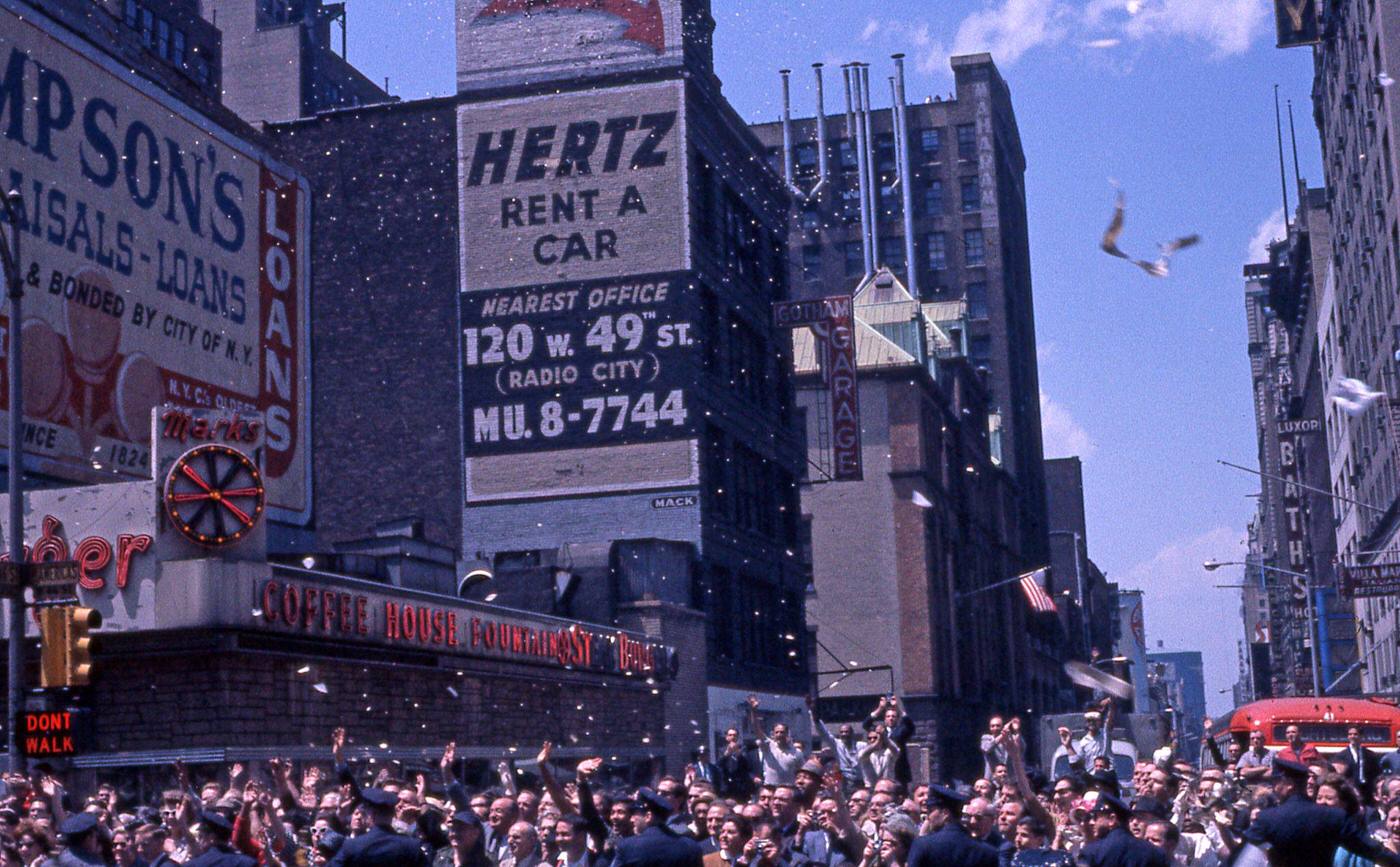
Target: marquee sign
x,y
400,620
165,260
1363,580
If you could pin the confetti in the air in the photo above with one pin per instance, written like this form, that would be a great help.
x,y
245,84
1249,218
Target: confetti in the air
x,y
1354,396
921,501
320,687
1157,268
304,669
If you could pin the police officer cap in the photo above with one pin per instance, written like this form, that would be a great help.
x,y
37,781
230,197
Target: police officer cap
x,y
813,767
379,798
78,825
941,796
1291,769
216,821
1105,781
648,799
466,817
1111,803
1151,807
330,842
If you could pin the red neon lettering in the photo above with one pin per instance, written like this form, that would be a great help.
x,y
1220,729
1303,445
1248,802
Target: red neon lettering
x,y
269,600
93,554
362,615
391,621
328,609
127,546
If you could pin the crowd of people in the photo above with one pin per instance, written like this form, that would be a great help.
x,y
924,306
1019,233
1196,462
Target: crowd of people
x,y
762,801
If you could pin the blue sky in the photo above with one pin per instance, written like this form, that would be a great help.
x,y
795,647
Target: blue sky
x,y
1146,379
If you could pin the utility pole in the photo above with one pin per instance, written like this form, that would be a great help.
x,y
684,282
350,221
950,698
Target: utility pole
x,y
14,282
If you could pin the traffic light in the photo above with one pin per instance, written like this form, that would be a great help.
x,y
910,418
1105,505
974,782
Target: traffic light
x,y
81,621
53,646
66,645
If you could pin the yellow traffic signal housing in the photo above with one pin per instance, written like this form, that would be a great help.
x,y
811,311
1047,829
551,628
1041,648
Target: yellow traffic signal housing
x,y
66,645
53,647
81,621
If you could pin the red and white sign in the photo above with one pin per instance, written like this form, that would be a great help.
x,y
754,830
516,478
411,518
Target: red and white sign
x,y
831,320
164,261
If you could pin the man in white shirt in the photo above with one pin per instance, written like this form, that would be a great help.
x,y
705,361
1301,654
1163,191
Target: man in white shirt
x,y
781,757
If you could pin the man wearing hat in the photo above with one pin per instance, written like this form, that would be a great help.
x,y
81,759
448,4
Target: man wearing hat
x,y
213,832
1299,833
1113,845
380,846
655,844
83,838
949,844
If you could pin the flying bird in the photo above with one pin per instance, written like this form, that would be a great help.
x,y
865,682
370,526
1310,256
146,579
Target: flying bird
x,y
1355,396
1155,268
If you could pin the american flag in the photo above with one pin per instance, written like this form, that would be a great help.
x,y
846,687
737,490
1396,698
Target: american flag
x,y
1032,586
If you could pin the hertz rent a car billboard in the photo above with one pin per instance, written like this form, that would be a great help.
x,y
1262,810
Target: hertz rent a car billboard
x,y
164,260
567,187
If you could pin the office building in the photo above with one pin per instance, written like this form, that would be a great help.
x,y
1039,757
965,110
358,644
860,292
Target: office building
x,y
968,227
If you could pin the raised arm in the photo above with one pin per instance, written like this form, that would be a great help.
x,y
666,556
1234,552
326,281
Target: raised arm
x,y
551,783
1015,755
597,828
754,727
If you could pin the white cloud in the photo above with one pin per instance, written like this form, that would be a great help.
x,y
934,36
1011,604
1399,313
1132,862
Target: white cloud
x,y
1185,611
1010,29
1062,435
871,28
1228,26
1271,229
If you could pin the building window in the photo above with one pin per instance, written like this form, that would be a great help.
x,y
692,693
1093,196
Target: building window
x,y
854,255
177,49
148,27
805,155
130,13
775,160
163,38
811,217
889,203
971,193
979,351
930,143
933,197
884,152
974,248
846,155
977,300
967,141
811,262
892,253
937,243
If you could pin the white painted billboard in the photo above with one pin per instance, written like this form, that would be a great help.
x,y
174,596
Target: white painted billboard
x,y
165,260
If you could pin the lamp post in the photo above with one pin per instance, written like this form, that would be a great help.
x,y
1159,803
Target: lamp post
x,y
14,284
1212,565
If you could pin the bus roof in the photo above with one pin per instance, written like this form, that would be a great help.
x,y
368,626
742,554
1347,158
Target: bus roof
x,y
1309,709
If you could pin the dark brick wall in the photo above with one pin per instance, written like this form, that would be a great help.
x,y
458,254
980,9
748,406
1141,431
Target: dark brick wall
x,y
386,420
224,696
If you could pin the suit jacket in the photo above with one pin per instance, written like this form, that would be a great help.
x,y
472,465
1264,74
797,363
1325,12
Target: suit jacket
x,y
951,846
1368,767
1299,833
1121,849
380,847
657,847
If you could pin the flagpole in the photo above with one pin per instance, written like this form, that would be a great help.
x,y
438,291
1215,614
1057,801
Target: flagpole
x,y
996,585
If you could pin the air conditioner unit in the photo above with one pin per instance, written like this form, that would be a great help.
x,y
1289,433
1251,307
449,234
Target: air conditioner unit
x,y
1368,245
1371,118
1342,238
1379,206
1351,81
